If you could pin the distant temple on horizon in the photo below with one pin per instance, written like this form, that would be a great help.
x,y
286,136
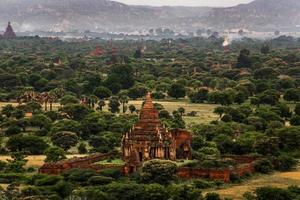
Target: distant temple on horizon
x,y
150,139
9,32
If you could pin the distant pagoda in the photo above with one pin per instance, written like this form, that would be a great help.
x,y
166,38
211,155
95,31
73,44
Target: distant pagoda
x,y
9,32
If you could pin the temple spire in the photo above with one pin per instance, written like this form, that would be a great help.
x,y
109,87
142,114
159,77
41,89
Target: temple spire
x,y
9,32
149,112
148,97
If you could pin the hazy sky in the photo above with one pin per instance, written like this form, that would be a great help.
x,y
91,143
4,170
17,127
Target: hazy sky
x,y
215,3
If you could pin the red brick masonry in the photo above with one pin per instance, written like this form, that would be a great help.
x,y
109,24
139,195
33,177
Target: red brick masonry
x,y
245,166
65,165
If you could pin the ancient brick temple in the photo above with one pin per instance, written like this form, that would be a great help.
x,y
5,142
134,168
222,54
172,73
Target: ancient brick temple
x,y
149,139
9,32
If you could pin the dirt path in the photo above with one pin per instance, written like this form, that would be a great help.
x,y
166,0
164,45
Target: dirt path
x,y
277,179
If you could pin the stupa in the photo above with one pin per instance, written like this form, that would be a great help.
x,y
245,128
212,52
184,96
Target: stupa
x,y
9,32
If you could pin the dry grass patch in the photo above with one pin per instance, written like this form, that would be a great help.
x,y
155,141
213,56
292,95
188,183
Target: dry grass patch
x,y
204,111
278,179
37,160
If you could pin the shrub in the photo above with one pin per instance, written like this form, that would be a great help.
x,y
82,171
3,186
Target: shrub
x,y
184,192
30,144
42,132
65,139
113,173
226,118
30,191
11,178
192,114
79,175
12,130
263,166
31,179
100,180
2,165
249,196
82,148
48,180
235,177
158,171
212,196
284,163
264,193
203,184
54,154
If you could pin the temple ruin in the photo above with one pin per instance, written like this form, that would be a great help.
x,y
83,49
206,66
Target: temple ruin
x,y
150,139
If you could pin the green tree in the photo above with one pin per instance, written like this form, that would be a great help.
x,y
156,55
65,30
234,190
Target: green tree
x,y
244,60
199,96
181,110
132,108
156,192
54,154
292,95
114,105
41,121
68,99
158,171
18,113
177,91
17,163
82,148
101,104
137,92
66,125
64,139
102,92
297,109
123,100
289,138
75,111
33,107
272,193
124,75
7,110
29,144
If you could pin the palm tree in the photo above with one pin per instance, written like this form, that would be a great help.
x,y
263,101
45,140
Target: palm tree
x,y
123,100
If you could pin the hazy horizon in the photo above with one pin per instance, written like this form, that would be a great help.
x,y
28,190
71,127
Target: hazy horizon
x,y
211,3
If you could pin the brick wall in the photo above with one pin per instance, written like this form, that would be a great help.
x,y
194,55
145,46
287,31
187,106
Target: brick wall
x,y
65,165
215,174
246,166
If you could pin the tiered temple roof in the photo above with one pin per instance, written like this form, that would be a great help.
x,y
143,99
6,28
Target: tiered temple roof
x,y
149,127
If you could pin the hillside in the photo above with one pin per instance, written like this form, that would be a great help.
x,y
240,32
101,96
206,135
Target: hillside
x,y
105,15
257,15
95,15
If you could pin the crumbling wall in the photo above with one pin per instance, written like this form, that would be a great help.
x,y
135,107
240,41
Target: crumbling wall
x,y
65,165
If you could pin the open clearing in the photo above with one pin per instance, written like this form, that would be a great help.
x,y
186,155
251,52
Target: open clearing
x,y
277,179
36,160
204,111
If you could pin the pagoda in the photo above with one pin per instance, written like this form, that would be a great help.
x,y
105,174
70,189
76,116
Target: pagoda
x,y
9,32
150,139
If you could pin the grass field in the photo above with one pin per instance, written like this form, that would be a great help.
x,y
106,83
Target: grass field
x,y
204,111
278,179
37,160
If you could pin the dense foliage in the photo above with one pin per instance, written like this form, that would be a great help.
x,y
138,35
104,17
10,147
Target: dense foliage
x,y
87,107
